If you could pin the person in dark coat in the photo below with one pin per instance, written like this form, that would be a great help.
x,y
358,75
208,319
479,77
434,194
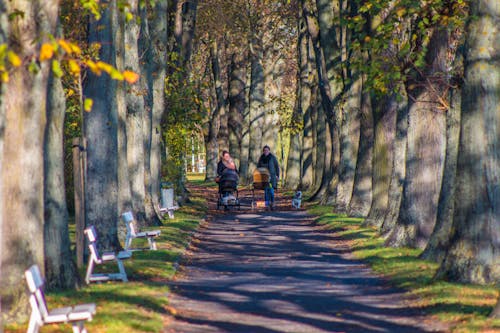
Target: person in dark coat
x,y
270,162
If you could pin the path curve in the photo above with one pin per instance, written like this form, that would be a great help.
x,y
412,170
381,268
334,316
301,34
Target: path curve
x,y
279,272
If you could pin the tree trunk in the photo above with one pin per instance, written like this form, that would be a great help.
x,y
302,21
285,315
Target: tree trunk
x,y
60,270
496,311
474,248
124,190
189,10
135,117
349,144
425,154
22,176
385,128
398,172
101,191
221,102
319,148
308,82
4,26
257,95
237,79
362,188
156,69
440,238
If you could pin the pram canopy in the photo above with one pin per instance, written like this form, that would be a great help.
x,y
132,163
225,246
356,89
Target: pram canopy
x,y
261,178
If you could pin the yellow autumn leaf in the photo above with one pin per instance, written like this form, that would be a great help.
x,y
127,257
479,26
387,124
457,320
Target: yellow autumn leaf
x,y
75,48
46,52
116,75
400,12
14,59
65,46
74,68
93,67
4,77
130,77
104,66
87,104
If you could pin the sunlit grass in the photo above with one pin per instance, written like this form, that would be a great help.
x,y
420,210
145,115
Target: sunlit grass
x,y
465,307
140,305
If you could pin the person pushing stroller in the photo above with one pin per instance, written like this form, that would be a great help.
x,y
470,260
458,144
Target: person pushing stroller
x,y
270,162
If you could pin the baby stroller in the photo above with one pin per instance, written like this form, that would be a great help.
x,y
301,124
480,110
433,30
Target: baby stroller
x,y
261,181
228,190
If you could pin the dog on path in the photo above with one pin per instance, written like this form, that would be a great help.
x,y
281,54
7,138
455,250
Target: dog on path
x,y
297,200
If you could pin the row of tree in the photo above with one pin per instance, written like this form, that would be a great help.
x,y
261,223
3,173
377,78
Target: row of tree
x,y
394,113
107,70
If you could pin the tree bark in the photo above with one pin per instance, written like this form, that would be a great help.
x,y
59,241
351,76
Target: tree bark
x,y
101,191
440,238
257,94
496,311
135,117
398,172
124,191
307,89
3,39
60,270
362,189
474,248
425,154
22,176
349,145
156,69
385,128
221,101
237,83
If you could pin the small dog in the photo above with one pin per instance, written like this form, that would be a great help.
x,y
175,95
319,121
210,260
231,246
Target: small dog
x,y
297,199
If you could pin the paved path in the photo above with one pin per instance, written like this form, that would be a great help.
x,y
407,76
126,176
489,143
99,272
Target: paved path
x,y
278,272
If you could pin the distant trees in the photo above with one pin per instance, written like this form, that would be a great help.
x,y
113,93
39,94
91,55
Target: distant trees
x,y
389,79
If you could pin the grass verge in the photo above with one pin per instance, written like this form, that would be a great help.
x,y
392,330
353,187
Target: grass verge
x,y
140,305
465,307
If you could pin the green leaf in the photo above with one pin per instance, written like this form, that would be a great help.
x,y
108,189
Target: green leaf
x,y
56,68
87,104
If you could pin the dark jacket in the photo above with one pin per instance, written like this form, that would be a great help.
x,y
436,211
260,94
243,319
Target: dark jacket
x,y
226,174
270,162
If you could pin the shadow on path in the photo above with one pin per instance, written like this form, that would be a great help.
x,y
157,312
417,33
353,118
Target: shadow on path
x,y
278,272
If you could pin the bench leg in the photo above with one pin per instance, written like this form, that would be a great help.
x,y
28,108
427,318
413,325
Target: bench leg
x,y
34,325
123,274
78,327
90,268
171,213
152,243
128,242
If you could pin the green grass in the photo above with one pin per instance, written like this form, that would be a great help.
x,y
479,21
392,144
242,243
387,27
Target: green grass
x,y
140,305
464,307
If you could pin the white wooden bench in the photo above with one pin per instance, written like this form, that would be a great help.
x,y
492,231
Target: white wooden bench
x,y
41,315
128,219
96,259
167,202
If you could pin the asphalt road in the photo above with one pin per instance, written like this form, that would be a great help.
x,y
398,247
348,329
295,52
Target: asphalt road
x,y
279,272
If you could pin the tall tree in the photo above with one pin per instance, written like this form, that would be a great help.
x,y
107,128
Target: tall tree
x,y
155,72
101,132
22,173
60,272
473,253
425,147
257,92
135,128
237,83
